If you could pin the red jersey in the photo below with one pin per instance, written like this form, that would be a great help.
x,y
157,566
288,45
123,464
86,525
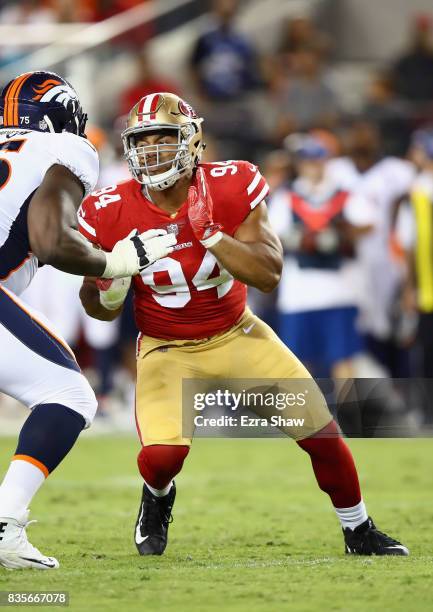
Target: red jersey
x,y
188,294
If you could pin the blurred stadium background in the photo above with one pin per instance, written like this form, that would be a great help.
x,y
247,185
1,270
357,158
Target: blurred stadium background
x,y
357,78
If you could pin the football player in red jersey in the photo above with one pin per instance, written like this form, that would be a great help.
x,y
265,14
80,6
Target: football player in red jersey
x,y
191,310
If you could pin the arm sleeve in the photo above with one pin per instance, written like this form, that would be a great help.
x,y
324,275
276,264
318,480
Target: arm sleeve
x,y
79,156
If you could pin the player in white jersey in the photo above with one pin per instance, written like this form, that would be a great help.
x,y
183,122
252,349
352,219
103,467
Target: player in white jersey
x,y
46,167
383,181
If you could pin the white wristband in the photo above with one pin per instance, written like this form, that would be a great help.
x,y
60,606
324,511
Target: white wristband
x,y
212,241
113,297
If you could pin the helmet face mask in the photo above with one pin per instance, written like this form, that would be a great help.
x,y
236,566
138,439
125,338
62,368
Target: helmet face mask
x,y
42,101
160,165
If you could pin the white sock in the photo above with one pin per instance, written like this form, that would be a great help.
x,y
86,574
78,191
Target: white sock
x,y
21,483
352,517
160,492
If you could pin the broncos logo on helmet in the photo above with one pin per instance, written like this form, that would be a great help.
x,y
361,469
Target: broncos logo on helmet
x,y
44,87
52,90
42,101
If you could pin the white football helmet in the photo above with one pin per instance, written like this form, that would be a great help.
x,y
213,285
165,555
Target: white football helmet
x,y
159,112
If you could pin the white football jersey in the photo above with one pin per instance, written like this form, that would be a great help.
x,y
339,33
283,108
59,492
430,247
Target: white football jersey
x,y
383,184
25,157
306,289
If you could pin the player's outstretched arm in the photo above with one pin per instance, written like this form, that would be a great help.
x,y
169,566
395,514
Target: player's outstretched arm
x,y
55,239
254,255
52,225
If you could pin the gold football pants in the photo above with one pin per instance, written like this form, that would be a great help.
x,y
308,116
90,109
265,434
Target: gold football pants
x,y
248,350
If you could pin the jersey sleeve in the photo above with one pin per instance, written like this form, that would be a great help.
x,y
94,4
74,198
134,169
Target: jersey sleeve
x,y
360,211
239,187
88,220
399,175
252,190
255,186
79,156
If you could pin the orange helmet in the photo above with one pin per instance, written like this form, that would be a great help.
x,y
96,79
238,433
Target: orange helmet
x,y
159,112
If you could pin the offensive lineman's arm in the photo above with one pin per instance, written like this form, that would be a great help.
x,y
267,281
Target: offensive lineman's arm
x,y
55,239
52,224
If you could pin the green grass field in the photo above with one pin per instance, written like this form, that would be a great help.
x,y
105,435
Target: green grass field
x,y
251,531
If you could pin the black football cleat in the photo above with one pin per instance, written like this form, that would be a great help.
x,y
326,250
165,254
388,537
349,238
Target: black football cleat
x,y
153,520
367,540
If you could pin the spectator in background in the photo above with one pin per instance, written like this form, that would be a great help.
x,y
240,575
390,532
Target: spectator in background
x,y
413,71
383,181
103,9
26,12
224,69
305,100
68,11
223,60
390,112
147,81
301,34
277,169
318,224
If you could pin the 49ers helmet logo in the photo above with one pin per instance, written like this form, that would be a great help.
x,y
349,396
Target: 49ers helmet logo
x,y
187,110
52,90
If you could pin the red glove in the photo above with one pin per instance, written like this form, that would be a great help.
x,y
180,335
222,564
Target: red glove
x,y
200,208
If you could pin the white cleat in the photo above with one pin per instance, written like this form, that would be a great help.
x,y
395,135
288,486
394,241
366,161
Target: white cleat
x,y
16,552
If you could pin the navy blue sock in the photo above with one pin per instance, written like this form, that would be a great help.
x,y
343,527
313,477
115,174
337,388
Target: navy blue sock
x,y
49,434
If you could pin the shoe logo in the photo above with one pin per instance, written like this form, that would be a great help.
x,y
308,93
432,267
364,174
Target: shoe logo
x,y
2,529
247,330
52,565
138,537
15,133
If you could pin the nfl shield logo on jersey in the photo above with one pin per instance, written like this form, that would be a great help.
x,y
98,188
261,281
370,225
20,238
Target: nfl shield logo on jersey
x,y
173,228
